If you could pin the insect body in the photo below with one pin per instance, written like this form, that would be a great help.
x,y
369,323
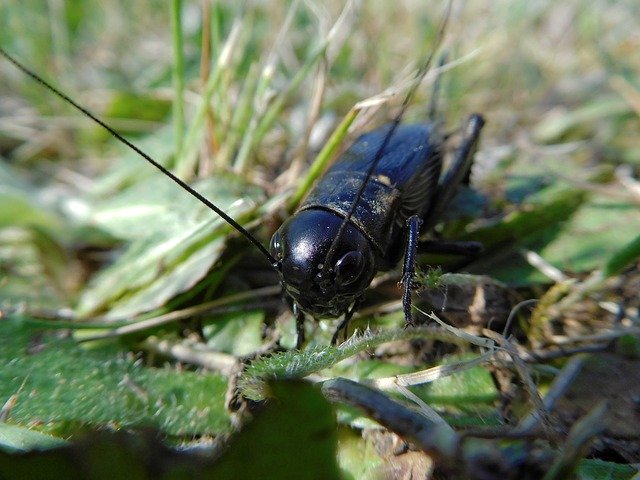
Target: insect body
x,y
326,272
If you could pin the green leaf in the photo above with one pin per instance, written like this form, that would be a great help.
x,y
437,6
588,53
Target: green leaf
x,y
177,241
294,437
620,259
23,272
358,457
550,208
469,387
128,104
236,334
556,127
22,204
569,230
593,469
15,439
61,386
295,364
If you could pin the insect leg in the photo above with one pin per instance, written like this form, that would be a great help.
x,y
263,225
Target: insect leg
x,y
299,314
460,169
408,269
342,326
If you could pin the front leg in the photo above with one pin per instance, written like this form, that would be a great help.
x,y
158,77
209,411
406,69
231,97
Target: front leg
x,y
299,314
409,267
344,324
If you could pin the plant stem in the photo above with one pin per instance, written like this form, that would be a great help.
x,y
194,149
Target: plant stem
x,y
178,73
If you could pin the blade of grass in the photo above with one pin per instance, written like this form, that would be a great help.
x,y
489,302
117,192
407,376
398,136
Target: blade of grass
x,y
178,72
187,155
276,106
240,119
262,96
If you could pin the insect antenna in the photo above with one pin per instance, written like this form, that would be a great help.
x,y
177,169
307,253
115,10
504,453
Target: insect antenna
x,y
185,186
419,76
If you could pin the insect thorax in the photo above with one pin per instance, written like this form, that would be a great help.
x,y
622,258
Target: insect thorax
x,y
376,209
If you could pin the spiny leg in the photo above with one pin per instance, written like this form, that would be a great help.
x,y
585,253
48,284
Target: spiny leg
x,y
459,170
408,268
344,324
299,314
447,188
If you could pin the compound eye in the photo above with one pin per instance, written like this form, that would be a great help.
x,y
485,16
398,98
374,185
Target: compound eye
x,y
349,268
275,247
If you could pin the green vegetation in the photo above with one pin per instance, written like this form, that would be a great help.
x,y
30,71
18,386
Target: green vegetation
x,y
127,305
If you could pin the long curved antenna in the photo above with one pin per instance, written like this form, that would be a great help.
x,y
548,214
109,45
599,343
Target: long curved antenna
x,y
148,158
422,71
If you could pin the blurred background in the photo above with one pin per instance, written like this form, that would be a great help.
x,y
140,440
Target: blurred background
x,y
556,83
241,100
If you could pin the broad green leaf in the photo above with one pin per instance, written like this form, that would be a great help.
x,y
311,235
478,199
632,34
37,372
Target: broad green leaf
x,y
623,257
294,437
23,277
15,439
601,227
177,241
570,230
237,334
23,205
130,169
357,456
128,104
61,386
551,208
594,469
557,126
470,387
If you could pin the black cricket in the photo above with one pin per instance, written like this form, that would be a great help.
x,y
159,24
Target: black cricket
x,y
363,215
326,271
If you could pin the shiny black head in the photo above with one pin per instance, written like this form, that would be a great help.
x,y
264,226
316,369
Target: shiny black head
x,y
301,246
